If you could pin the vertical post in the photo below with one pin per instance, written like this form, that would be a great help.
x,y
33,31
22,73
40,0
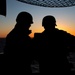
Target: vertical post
x,y
3,7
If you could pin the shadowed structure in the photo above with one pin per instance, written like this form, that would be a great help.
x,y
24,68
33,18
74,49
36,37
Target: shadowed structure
x,y
3,7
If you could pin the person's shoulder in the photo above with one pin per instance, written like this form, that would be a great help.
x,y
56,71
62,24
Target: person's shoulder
x,y
63,32
10,35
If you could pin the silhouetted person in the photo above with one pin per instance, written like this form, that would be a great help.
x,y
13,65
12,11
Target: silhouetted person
x,y
18,45
52,47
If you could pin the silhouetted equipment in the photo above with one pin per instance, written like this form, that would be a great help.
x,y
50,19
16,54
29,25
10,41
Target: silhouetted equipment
x,y
3,7
50,3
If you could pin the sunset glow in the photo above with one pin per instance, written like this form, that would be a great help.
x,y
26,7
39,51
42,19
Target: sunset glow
x,y
65,17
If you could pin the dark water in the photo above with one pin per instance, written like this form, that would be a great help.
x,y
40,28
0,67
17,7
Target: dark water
x,y
71,56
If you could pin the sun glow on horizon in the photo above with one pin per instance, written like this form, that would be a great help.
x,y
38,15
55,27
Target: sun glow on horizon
x,y
39,29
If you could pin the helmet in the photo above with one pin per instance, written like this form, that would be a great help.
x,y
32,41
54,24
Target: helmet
x,y
24,17
49,20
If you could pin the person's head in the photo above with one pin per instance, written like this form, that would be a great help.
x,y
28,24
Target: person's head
x,y
49,22
24,19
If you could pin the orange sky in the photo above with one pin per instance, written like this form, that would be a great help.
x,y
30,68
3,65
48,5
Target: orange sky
x,y
36,28
65,17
